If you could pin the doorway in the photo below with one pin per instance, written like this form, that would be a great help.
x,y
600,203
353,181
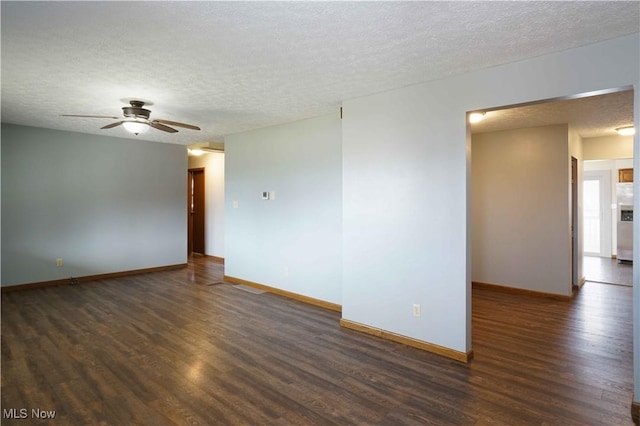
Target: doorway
x,y
597,213
195,211
519,213
601,209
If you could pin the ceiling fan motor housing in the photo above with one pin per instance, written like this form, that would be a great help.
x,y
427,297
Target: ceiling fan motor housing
x,y
136,110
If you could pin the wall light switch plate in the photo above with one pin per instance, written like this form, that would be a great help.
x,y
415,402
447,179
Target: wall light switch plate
x,y
235,204
272,195
416,310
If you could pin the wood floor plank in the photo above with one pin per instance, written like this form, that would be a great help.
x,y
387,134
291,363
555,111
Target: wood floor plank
x,y
183,347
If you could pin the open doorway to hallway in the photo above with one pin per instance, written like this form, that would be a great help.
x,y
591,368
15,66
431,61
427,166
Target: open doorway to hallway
x,y
211,226
522,204
523,207
196,212
608,199
608,216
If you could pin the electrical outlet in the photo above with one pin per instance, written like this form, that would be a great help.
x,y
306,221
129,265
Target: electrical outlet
x,y
416,310
59,262
234,204
286,271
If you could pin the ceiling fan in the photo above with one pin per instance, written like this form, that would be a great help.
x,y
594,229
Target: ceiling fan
x,y
136,120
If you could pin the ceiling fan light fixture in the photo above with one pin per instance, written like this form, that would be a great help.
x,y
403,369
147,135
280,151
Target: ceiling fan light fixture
x,y
476,117
626,131
136,120
135,127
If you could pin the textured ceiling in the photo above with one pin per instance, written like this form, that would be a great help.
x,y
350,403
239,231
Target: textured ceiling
x,y
590,117
234,66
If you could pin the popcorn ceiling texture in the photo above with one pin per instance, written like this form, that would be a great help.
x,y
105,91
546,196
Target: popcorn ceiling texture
x,y
590,117
235,66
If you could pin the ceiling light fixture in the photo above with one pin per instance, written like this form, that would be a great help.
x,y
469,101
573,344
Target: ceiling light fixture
x,y
626,131
476,117
135,127
196,152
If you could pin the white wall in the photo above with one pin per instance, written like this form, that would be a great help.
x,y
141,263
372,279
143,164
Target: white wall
x,y
405,185
520,209
293,242
213,164
102,204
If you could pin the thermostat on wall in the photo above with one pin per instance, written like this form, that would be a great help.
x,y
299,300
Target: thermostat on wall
x,y
265,195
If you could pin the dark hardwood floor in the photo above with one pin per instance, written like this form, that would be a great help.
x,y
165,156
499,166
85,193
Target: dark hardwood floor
x,y
180,347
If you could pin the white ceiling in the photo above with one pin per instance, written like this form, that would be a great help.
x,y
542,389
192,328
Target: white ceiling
x,y
234,66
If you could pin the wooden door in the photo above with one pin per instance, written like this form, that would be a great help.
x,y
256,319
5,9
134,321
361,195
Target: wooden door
x,y
196,211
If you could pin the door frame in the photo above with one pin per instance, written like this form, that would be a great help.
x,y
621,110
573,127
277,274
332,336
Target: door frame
x,y
575,234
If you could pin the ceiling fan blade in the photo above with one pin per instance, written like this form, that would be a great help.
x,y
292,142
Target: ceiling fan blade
x,y
178,124
162,127
89,116
108,126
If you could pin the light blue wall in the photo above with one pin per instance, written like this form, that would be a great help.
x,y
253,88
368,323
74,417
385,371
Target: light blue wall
x,y
102,204
301,229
